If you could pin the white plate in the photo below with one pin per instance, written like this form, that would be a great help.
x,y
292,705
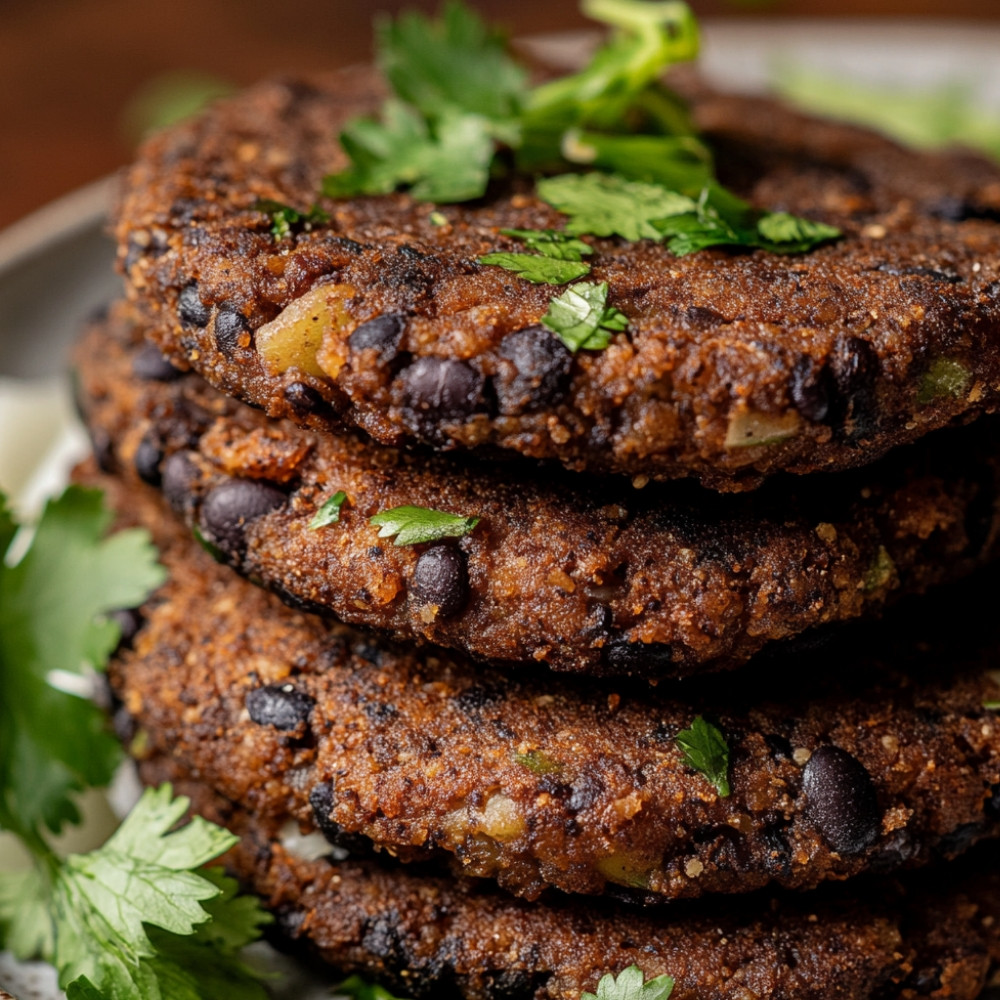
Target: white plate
x,y
56,266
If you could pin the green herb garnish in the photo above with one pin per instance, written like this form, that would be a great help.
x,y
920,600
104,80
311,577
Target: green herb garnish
x,y
551,243
631,985
329,512
361,989
412,525
705,749
133,919
537,268
284,217
582,319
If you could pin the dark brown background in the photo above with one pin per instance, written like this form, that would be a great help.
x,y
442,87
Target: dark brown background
x,y
69,67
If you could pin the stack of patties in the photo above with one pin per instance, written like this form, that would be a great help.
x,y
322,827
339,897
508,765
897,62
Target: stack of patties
x,y
475,709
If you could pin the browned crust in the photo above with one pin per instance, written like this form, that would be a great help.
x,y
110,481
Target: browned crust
x,y
581,574
840,340
429,937
578,786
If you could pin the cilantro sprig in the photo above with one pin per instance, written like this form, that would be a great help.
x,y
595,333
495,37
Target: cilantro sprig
x,y
705,749
132,920
582,319
412,525
631,984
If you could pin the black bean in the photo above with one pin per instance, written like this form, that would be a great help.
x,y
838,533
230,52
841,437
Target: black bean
x,y
440,389
178,477
190,308
103,449
303,399
841,800
854,406
703,318
230,326
810,389
441,578
279,705
382,334
148,457
622,656
228,508
587,790
150,365
533,372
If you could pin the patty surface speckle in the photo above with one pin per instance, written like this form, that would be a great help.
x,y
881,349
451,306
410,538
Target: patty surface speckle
x,y
734,365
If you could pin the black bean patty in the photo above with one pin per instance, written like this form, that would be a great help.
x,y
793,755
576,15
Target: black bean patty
x,y
935,936
579,573
734,365
875,753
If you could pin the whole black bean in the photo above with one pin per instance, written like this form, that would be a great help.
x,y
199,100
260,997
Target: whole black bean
x,y
230,326
440,389
853,409
148,457
190,308
382,334
228,509
841,800
533,371
279,705
621,656
178,476
441,578
150,365
810,389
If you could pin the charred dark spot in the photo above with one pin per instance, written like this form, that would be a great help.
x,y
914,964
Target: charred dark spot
x,y
192,311
382,939
514,984
280,705
229,507
853,411
441,579
810,389
779,746
949,276
381,334
533,372
150,365
953,208
103,449
474,699
380,711
778,854
413,253
622,656
147,458
129,621
841,800
703,318
230,328
304,399
586,790
960,840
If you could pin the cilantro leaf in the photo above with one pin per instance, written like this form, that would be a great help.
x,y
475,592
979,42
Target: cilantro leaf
x,y
133,920
450,162
537,268
51,603
552,243
452,63
581,317
705,749
607,205
361,989
329,512
631,985
785,233
284,217
412,525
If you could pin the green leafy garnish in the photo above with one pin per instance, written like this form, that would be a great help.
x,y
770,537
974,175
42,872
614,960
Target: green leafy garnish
x,y
54,630
538,269
361,989
705,749
582,319
134,919
329,512
446,161
412,525
552,243
631,985
285,217
610,205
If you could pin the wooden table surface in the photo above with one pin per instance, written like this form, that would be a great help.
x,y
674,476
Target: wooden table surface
x,y
69,68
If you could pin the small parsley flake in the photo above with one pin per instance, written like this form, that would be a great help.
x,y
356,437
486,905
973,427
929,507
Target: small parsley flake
x,y
537,268
705,749
631,985
581,318
412,525
329,512
284,217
